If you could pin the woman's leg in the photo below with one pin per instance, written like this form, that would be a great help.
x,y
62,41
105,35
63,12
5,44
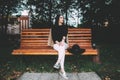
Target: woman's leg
x,y
61,55
62,70
61,52
58,48
62,60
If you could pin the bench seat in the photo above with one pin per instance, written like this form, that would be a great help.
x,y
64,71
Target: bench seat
x,y
48,51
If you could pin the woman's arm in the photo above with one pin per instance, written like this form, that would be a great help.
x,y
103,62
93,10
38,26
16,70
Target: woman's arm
x,y
65,34
54,38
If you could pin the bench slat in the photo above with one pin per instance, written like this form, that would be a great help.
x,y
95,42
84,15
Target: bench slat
x,y
48,52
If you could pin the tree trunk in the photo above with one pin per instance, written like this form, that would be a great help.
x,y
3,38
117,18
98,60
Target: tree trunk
x,y
6,24
2,24
66,12
50,13
66,17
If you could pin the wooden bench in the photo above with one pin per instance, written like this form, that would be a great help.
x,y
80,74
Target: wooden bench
x,y
35,42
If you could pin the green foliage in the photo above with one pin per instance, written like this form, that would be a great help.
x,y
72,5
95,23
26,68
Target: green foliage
x,y
46,10
93,11
8,6
98,10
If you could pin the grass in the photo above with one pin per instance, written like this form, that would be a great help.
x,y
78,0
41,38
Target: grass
x,y
12,67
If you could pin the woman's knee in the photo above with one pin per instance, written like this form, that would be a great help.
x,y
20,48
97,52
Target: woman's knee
x,y
66,46
56,47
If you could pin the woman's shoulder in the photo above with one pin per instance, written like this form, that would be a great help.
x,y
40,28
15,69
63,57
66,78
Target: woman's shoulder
x,y
65,26
54,28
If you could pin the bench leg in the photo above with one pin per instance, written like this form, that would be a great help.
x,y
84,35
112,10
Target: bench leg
x,y
96,59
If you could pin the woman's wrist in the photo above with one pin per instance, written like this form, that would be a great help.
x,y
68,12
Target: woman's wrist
x,y
56,42
63,38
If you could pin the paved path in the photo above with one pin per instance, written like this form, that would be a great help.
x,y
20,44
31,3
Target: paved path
x,y
56,76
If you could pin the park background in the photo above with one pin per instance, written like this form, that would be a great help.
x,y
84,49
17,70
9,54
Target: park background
x,y
102,16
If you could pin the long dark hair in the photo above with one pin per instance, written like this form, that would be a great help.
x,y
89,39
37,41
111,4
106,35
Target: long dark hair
x,y
57,20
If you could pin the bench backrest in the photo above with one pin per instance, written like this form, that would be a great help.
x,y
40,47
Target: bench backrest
x,y
80,36
38,38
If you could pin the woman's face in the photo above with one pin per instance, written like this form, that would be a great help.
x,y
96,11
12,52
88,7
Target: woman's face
x,y
61,20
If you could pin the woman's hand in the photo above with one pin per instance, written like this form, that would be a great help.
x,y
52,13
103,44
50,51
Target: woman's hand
x,y
63,38
57,42
63,41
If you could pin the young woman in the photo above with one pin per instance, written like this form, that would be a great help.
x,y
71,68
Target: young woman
x,y
59,33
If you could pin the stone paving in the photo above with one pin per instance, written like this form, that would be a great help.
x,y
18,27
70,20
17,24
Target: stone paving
x,y
56,76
